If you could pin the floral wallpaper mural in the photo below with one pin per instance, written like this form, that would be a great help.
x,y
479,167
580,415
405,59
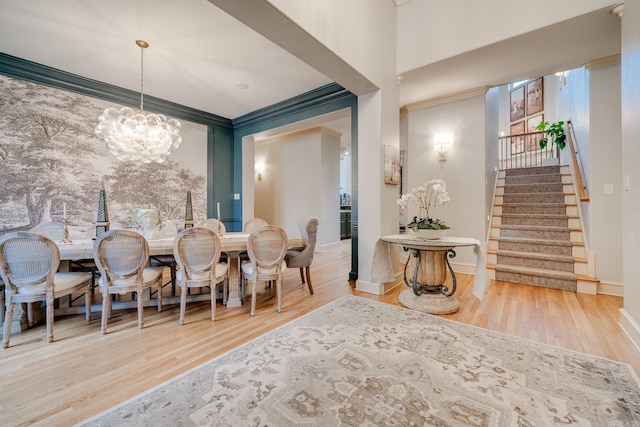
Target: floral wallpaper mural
x,y
50,157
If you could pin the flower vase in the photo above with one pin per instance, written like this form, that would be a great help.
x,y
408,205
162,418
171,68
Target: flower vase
x,y
428,234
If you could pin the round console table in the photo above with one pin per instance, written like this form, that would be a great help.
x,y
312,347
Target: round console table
x,y
427,292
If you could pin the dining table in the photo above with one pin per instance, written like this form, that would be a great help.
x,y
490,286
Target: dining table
x,y
75,251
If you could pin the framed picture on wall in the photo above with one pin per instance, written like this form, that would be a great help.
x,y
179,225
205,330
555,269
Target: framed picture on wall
x,y
391,165
517,142
535,96
517,104
532,140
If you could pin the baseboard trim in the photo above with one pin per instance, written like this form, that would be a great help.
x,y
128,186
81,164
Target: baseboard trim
x,y
461,268
611,288
630,327
379,288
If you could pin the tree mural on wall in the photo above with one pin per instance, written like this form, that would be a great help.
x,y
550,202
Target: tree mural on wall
x,y
50,155
44,147
129,186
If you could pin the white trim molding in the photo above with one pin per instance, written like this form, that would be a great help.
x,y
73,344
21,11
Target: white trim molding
x,y
630,327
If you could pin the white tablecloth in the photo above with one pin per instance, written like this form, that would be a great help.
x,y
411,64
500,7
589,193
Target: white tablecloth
x,y
382,270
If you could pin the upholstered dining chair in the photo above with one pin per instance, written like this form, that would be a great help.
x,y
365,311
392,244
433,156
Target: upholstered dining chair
x,y
121,257
28,266
267,246
197,254
302,257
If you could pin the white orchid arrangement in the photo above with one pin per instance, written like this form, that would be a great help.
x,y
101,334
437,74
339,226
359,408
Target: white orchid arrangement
x,y
426,197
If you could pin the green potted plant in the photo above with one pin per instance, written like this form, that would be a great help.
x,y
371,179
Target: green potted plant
x,y
554,133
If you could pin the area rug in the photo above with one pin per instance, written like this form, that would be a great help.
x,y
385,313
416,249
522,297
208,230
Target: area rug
x,y
358,362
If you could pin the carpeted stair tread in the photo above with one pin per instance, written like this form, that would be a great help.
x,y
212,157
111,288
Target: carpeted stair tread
x,y
533,187
535,216
540,178
536,271
534,208
536,170
536,198
535,241
535,255
534,228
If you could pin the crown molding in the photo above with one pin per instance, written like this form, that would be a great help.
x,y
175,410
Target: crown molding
x,y
298,133
470,93
607,61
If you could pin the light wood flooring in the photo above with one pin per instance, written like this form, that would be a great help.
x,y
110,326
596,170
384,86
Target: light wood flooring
x,y
84,373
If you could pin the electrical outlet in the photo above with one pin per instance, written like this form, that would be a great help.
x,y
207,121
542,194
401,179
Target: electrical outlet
x,y
236,196
608,189
626,182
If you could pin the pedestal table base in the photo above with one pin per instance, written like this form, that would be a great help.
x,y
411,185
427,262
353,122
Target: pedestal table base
x,y
429,303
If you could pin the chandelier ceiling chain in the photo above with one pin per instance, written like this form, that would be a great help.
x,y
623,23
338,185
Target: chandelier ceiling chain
x,y
139,137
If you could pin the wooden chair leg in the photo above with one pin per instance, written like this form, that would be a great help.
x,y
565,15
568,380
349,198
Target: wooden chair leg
x,y
140,308
183,303
88,297
309,280
29,314
7,325
279,293
106,309
253,297
213,301
49,318
160,294
302,274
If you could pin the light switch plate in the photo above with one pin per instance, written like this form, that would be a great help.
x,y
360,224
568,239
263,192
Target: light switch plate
x,y
608,189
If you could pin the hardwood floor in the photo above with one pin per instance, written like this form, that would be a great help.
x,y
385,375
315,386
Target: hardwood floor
x,y
83,372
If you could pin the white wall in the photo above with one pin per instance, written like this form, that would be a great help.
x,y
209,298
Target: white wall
x,y
463,171
301,179
492,120
630,67
605,150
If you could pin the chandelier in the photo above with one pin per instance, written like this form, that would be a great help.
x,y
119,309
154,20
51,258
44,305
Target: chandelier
x,y
138,136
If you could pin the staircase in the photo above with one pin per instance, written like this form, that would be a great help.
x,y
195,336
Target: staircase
x,y
536,234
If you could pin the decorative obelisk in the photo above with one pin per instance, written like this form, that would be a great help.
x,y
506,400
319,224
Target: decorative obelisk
x,y
188,215
102,223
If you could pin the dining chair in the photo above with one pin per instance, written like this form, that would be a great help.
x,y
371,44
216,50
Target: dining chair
x,y
28,266
169,229
121,257
253,223
302,257
217,227
267,246
212,224
250,225
197,254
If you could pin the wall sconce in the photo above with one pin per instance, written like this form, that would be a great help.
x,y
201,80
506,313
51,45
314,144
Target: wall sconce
x,y
563,77
260,169
442,140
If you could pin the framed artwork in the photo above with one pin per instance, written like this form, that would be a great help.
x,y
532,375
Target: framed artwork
x,y
517,104
535,100
532,140
517,143
391,165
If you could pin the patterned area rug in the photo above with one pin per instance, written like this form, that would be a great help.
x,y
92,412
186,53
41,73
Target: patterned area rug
x,y
361,362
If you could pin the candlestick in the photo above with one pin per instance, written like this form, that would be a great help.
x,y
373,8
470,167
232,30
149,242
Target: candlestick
x,y
218,210
66,230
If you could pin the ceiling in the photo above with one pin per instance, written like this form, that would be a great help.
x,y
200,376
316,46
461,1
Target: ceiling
x,y
201,57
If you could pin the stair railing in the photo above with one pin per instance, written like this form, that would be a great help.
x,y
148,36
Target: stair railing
x,y
523,150
576,160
